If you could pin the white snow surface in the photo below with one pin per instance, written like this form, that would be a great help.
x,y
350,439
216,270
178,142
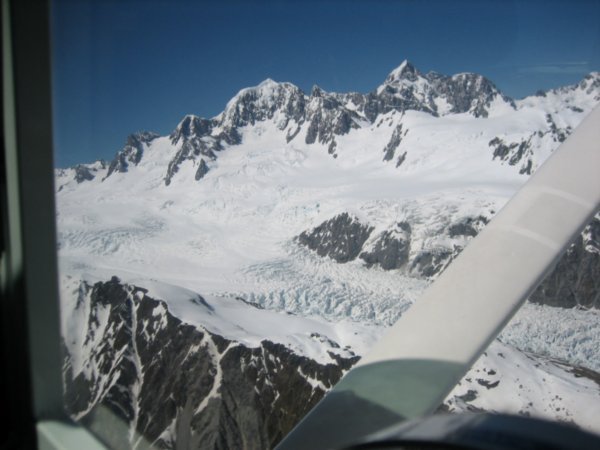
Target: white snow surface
x,y
230,236
507,380
230,317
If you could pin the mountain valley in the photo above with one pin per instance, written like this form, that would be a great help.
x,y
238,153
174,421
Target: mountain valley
x,y
217,281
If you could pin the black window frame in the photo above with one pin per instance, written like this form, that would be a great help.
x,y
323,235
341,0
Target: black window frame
x,y
33,413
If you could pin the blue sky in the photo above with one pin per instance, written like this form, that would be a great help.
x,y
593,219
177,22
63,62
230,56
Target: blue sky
x,y
125,66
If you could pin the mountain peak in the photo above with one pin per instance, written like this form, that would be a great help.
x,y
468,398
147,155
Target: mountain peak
x,y
590,83
190,125
266,87
132,152
188,118
405,71
268,82
141,137
316,91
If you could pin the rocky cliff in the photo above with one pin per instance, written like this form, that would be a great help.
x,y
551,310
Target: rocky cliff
x,y
144,377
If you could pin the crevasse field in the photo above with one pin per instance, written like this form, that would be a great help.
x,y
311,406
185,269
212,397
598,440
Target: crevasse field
x,y
230,237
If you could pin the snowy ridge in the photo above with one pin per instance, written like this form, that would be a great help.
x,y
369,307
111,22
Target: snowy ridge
x,y
222,390
507,380
324,118
441,95
503,380
235,318
205,225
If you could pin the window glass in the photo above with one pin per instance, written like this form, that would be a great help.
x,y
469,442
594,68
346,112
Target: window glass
x,y
249,193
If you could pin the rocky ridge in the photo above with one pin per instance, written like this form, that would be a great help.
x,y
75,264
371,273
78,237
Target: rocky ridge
x,y
132,153
344,238
573,282
127,329
142,377
139,377
322,118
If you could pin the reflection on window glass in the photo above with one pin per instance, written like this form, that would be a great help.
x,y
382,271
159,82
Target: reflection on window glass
x,y
249,193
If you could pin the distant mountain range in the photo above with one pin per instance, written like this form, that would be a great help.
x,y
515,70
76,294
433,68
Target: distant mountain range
x,y
218,280
322,117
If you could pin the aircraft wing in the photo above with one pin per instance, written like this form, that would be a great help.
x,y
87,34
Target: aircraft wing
x,y
418,362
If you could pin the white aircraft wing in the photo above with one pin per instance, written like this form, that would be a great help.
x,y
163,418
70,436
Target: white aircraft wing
x,y
421,358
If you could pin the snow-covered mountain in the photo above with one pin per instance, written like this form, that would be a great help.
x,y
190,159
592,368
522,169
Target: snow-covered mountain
x,y
182,384
323,118
283,235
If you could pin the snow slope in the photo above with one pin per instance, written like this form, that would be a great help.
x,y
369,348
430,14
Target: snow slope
x,y
229,234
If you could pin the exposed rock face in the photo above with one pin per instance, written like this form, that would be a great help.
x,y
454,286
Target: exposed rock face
x,y
391,248
520,152
320,117
202,170
191,126
341,238
407,88
328,121
589,85
79,173
558,134
430,263
132,153
575,281
144,372
193,136
83,173
393,144
468,92
514,153
263,102
469,226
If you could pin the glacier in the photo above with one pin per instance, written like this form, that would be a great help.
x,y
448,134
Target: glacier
x,y
214,211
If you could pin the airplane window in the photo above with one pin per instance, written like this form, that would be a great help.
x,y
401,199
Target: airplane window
x,y
249,194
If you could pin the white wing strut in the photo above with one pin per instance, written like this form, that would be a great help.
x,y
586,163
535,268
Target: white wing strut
x,y
417,363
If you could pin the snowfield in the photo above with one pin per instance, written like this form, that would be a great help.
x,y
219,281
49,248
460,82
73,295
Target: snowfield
x,y
230,240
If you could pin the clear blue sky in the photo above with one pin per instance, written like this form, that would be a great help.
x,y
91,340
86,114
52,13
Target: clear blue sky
x,y
126,66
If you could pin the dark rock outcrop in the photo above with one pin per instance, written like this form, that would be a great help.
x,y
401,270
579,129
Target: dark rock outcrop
x,y
148,374
430,263
391,147
193,134
469,226
132,153
468,92
327,118
341,238
558,134
83,173
514,153
80,173
406,88
575,280
391,248
191,126
520,153
262,102
321,117
202,170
